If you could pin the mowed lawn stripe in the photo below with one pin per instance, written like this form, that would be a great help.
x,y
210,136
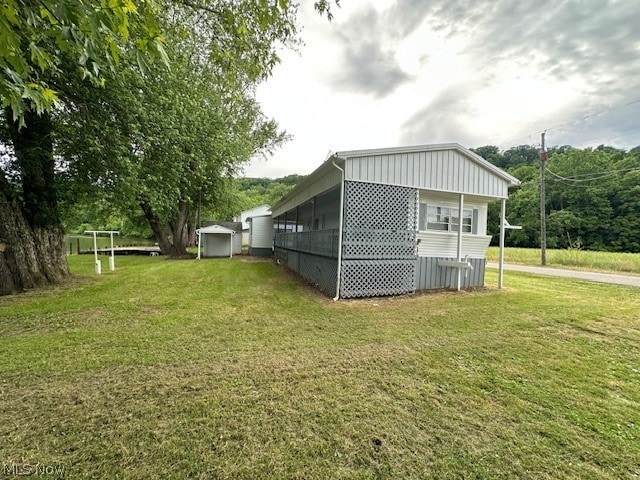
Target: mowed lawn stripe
x,y
236,369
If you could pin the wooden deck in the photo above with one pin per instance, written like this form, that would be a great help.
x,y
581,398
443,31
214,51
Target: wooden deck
x,y
147,250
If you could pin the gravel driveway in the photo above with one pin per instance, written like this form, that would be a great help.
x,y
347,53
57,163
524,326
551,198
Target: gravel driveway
x,y
578,274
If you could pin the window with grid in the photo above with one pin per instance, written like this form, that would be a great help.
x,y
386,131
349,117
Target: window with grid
x,y
446,219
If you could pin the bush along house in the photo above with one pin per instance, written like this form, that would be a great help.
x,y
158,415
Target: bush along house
x,y
392,221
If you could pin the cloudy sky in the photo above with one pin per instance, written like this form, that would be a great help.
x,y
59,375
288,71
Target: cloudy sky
x,y
387,73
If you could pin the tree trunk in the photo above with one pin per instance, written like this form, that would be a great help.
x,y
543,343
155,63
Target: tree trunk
x,y
171,237
157,226
180,229
30,229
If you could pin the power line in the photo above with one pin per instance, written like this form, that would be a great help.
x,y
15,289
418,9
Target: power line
x,y
607,109
588,177
576,120
607,139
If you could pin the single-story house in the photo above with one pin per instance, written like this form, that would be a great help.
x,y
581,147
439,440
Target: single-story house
x,y
244,217
391,221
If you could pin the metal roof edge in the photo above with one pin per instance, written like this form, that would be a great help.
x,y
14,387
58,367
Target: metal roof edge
x,y
216,229
312,177
342,157
513,181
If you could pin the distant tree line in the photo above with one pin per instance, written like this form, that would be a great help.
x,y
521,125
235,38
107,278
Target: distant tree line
x,y
234,196
592,197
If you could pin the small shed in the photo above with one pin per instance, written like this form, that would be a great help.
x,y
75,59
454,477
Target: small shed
x,y
218,241
261,235
391,221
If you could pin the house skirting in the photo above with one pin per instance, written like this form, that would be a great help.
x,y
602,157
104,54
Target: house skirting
x,y
430,275
260,252
318,270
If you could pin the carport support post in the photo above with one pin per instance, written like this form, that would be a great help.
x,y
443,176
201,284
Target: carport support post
x,y
231,245
199,243
503,209
95,253
112,259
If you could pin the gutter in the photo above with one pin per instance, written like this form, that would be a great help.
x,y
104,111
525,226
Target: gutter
x,y
341,220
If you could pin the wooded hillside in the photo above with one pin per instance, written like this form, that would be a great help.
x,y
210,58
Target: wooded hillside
x,y
592,197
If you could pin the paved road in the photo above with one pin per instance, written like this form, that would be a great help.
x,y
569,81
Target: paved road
x,y
580,275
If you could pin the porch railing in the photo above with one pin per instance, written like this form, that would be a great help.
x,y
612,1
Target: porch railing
x,y
316,242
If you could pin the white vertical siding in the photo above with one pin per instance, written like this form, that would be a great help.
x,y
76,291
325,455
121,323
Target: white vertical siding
x,y
443,170
445,245
261,232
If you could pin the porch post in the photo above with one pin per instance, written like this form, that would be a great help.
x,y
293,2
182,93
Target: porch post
x,y
503,208
460,215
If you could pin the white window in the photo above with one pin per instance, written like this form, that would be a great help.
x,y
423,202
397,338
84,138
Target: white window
x,y
447,219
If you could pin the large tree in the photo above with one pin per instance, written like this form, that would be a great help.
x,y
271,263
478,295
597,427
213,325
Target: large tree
x,y
165,139
41,43
51,49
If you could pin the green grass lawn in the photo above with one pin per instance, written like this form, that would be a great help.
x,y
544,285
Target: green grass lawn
x,y
572,259
219,369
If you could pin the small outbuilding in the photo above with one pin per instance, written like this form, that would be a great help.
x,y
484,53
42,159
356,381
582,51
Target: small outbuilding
x,y
244,217
391,221
219,240
261,236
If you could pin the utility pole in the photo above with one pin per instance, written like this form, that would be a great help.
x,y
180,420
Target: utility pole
x,y
543,213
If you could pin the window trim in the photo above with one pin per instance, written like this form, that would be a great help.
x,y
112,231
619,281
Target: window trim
x,y
441,211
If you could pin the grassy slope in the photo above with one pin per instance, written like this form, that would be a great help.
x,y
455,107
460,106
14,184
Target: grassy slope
x,y
233,369
572,259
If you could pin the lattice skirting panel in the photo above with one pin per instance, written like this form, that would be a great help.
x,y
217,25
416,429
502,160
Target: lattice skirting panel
x,y
379,240
322,272
319,271
380,222
430,275
375,278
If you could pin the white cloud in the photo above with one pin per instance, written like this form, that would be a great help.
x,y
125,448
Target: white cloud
x,y
494,72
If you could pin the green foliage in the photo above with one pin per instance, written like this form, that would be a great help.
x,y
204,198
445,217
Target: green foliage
x,y
47,42
171,139
520,155
592,197
260,191
38,38
96,213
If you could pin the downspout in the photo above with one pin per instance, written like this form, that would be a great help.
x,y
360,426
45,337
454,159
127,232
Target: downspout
x,y
340,221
